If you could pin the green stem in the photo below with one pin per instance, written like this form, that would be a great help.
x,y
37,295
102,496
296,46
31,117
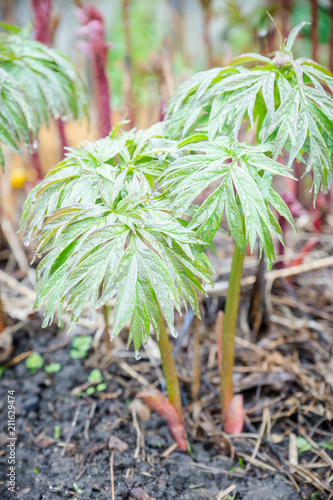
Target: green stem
x,y
229,329
107,339
169,369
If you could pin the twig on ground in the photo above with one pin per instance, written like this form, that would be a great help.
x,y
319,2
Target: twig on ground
x,y
71,430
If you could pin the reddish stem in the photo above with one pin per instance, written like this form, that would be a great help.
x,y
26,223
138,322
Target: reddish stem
x,y
102,84
96,46
306,248
36,165
330,57
62,137
41,20
128,63
314,29
158,402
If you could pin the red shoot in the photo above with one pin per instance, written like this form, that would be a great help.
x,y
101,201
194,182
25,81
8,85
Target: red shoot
x,y
158,402
96,47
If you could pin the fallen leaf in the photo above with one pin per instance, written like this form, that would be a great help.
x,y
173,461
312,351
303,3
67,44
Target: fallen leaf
x,y
117,444
43,442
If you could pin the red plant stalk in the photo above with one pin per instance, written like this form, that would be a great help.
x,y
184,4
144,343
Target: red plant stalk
x,y
206,4
96,47
41,21
285,9
306,248
314,29
128,62
330,56
158,402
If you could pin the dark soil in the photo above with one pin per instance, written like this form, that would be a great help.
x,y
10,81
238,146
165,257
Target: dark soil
x,y
43,402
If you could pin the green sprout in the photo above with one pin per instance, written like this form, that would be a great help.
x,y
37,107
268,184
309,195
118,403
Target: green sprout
x,y
101,387
90,391
80,346
77,489
34,362
95,376
57,431
53,368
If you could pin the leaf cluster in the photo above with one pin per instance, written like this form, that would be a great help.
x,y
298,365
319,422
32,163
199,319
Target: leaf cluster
x,y
36,82
131,249
96,172
288,101
240,177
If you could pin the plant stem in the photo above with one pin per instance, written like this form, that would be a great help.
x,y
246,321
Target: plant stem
x,y
106,312
41,20
330,55
314,29
196,359
169,369
229,329
128,85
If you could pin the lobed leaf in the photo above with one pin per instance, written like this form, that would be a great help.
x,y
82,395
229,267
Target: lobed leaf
x,y
133,250
242,176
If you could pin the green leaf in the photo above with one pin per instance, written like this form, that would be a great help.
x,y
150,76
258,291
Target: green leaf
x,y
53,368
293,34
230,167
132,249
285,99
34,362
95,376
303,445
326,444
36,83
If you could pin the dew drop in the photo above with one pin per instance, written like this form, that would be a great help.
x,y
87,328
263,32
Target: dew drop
x,y
35,144
26,241
137,355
